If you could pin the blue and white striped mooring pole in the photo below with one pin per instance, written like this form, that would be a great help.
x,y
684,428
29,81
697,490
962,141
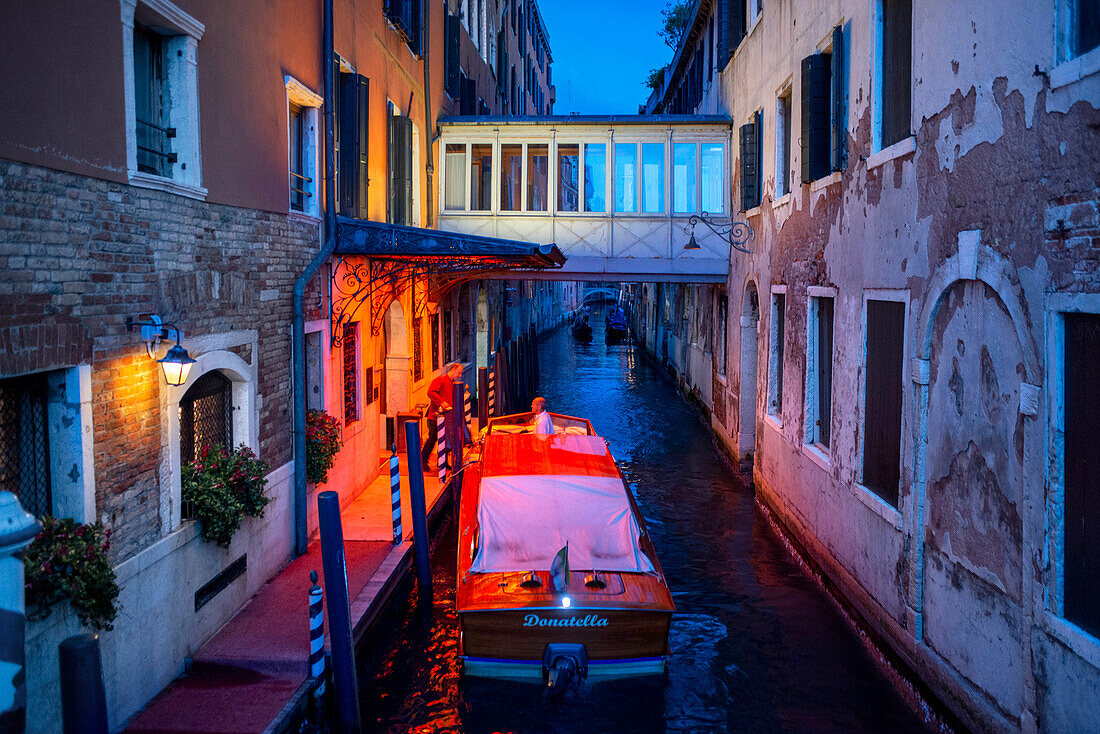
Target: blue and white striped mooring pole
x,y
466,401
395,493
317,640
441,445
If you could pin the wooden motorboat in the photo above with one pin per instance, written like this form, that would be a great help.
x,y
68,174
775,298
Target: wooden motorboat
x,y
525,499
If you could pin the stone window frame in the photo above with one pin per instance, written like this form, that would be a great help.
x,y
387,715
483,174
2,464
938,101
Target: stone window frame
x,y
310,103
182,35
906,145
864,494
1069,68
211,354
784,141
1058,305
775,360
819,453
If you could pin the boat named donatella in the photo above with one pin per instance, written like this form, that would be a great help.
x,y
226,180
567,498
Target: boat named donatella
x,y
557,576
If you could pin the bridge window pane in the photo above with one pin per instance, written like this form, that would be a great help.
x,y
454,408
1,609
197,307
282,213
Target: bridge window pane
x,y
626,177
595,177
481,177
683,178
713,165
537,176
456,176
511,178
568,184
653,177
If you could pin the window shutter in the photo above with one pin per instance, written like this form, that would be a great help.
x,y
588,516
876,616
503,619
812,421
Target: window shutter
x,y
736,24
502,67
394,156
452,81
406,167
815,117
362,172
749,165
349,144
839,127
897,68
469,97
758,128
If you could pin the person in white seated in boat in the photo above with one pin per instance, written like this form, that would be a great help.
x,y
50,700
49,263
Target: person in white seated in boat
x,y
542,424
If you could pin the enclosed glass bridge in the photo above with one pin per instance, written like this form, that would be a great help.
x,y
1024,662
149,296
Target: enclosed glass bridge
x,y
615,194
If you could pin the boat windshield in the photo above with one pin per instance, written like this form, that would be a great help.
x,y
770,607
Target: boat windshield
x,y
564,425
524,520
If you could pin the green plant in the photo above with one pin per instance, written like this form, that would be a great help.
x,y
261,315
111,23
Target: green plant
x,y
656,78
68,560
322,444
675,19
223,486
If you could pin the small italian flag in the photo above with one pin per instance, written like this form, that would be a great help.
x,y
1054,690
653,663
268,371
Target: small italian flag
x,y
559,569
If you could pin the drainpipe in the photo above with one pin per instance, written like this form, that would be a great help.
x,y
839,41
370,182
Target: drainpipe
x,y
298,338
429,123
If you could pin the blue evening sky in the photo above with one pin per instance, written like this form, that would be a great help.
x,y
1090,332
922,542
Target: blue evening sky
x,y
603,51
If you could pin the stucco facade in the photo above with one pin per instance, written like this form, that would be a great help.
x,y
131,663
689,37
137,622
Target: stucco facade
x,y
979,223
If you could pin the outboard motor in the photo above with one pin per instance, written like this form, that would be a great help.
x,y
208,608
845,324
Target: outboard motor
x,y
564,664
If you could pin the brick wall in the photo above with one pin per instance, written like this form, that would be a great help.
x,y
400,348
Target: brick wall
x,y
79,255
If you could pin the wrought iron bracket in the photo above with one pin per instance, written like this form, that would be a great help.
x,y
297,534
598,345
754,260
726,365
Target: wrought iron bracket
x,y
737,234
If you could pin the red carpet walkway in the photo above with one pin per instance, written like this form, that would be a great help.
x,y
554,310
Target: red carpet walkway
x,y
244,676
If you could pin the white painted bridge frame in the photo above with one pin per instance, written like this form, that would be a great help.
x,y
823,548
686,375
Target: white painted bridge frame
x,y
608,245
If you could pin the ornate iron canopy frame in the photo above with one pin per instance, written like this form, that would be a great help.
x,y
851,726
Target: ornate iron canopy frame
x,y
377,262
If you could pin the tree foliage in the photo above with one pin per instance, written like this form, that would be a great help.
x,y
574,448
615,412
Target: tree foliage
x,y
674,21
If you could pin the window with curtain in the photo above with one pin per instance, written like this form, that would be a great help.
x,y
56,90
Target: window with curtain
x,y
626,177
568,180
713,168
481,177
683,178
653,178
537,177
595,177
455,185
511,167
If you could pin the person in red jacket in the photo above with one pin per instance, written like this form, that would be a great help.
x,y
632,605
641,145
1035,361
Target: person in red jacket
x,y
439,395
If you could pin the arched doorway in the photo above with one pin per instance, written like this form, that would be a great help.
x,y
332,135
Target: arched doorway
x,y
394,385
750,320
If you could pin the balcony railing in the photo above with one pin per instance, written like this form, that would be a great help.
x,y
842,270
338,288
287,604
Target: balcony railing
x,y
153,149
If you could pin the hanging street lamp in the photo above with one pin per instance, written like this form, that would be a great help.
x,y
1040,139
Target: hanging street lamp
x,y
737,234
177,362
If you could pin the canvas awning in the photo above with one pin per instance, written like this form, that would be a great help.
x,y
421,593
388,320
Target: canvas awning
x,y
524,520
377,261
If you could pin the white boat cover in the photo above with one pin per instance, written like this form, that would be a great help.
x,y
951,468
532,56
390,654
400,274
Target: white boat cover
x,y
526,519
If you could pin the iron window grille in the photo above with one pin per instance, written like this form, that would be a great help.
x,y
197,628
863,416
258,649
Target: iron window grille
x,y
24,443
206,421
351,383
300,184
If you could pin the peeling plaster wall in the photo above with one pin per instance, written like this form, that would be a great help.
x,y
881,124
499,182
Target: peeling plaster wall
x,y
991,207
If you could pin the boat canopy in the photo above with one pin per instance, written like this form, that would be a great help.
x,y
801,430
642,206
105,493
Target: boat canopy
x,y
526,519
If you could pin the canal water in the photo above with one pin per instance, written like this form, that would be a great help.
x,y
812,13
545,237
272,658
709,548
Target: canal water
x,y
756,646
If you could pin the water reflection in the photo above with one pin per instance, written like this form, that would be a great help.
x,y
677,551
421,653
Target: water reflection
x,y
754,646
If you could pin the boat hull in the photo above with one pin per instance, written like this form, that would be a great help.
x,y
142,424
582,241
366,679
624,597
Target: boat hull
x,y
510,643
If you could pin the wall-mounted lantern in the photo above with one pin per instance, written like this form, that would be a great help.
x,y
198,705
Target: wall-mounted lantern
x,y
737,234
177,363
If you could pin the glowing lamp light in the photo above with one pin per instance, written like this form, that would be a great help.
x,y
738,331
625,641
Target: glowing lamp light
x,y
177,365
691,243
566,602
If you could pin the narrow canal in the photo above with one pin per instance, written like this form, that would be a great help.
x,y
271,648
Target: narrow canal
x,y
756,646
